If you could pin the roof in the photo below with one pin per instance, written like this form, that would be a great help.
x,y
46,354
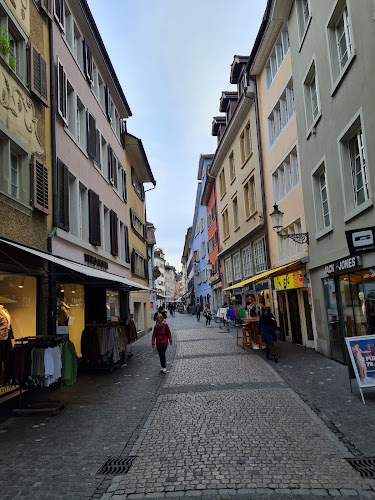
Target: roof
x,y
217,122
135,149
201,163
236,67
227,96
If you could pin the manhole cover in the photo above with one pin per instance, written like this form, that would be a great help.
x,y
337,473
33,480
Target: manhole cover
x,y
116,466
365,466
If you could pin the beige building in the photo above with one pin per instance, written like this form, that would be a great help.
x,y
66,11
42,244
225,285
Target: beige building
x,y
270,62
139,172
235,167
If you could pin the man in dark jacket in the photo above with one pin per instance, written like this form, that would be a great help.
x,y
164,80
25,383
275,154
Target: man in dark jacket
x,y
267,328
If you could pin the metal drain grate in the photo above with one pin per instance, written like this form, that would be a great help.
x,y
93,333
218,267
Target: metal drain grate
x,y
365,466
115,466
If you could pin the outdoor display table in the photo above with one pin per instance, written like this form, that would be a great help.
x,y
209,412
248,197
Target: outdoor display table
x,y
250,334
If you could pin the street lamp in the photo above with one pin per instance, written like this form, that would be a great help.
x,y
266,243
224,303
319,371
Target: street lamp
x,y
209,267
276,218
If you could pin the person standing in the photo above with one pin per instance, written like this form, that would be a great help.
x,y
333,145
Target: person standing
x,y
267,328
161,336
198,312
207,314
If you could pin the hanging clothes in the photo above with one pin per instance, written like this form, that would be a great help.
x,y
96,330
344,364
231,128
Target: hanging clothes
x,y
102,345
69,363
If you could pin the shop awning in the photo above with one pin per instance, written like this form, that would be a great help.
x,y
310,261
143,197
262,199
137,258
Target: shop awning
x,y
261,276
79,268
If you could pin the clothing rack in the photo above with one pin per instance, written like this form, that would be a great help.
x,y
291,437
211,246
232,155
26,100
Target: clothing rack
x,y
50,406
105,366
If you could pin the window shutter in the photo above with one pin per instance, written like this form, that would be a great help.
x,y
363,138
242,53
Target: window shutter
x,y
144,231
94,219
114,170
88,62
110,164
127,250
142,193
91,135
61,91
133,262
98,140
132,218
108,104
63,195
114,237
132,175
47,7
122,132
124,188
38,75
145,263
40,198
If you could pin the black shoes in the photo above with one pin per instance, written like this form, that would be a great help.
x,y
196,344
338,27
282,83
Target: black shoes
x,y
275,359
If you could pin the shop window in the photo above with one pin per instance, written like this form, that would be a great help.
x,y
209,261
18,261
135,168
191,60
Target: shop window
x,y
70,316
113,305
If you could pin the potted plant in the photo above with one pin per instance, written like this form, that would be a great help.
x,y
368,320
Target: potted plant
x,y
6,48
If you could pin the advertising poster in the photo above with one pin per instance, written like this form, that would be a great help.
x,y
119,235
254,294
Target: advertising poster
x,y
362,355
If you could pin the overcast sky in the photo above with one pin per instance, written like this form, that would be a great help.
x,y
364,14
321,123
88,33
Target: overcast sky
x,y
172,58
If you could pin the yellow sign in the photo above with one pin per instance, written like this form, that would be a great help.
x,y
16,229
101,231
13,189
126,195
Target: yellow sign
x,y
288,281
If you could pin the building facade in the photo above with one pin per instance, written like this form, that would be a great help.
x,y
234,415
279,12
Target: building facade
x,y
160,281
335,117
202,290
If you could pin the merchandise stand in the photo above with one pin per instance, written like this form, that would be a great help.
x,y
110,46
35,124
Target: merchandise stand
x,y
107,365
51,406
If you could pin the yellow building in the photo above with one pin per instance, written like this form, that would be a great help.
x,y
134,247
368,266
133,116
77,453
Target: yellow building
x,y
238,186
139,171
271,63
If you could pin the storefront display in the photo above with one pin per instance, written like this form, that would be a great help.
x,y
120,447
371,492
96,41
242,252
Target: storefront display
x,y
113,305
70,316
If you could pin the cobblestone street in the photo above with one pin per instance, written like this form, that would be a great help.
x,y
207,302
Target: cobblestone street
x,y
222,423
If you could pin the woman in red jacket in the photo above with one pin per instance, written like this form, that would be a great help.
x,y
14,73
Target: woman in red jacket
x,y
162,335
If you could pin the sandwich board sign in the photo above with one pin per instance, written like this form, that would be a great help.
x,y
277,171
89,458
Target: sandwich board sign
x,y
362,355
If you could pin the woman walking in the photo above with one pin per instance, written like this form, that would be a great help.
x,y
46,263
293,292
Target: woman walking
x,y
161,335
267,327
207,314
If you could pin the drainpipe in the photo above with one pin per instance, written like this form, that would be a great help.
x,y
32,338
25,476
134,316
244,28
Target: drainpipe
x,y
52,296
265,215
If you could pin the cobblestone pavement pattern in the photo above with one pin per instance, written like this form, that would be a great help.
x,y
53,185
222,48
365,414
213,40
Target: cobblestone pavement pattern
x,y
221,424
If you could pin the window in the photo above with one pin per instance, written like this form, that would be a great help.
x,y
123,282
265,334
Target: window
x,y
250,197
281,113
40,198
213,211
248,143
236,216
246,262
139,264
14,175
303,15
210,244
59,12
85,216
137,185
277,56
321,199
228,270
15,54
286,176
203,249
287,247
236,267
81,124
355,175
62,195
358,168
137,225
222,183
216,238
77,46
201,224
259,256
312,107
225,224
94,219
62,91
232,167
209,221
38,75
114,232
106,229
341,47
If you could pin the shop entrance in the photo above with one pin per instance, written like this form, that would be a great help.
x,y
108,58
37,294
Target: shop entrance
x,y
295,323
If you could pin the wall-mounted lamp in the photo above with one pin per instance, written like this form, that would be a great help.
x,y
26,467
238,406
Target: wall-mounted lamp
x,y
276,218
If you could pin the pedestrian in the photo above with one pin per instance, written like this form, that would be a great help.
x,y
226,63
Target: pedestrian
x,y
161,335
173,310
198,312
160,311
267,328
207,314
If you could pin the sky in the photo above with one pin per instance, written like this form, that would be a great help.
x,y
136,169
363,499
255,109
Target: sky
x,y
172,58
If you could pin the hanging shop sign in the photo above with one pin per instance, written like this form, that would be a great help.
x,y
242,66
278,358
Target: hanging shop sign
x,y
95,262
362,355
361,240
289,281
155,272
342,265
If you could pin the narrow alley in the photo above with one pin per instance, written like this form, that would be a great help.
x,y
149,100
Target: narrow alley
x,y
222,423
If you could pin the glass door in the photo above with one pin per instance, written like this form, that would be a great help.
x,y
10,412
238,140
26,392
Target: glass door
x,y
309,341
333,319
295,323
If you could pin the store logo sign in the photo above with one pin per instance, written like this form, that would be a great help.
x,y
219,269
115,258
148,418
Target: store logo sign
x,y
90,260
361,240
342,265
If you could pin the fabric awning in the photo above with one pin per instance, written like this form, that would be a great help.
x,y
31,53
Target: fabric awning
x,y
265,274
79,268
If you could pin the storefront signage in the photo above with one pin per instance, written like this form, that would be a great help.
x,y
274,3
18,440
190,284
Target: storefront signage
x,y
362,355
94,261
289,281
342,265
8,388
361,240
155,272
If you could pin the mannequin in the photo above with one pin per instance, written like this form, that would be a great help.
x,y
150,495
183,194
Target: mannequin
x,y
5,338
63,314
